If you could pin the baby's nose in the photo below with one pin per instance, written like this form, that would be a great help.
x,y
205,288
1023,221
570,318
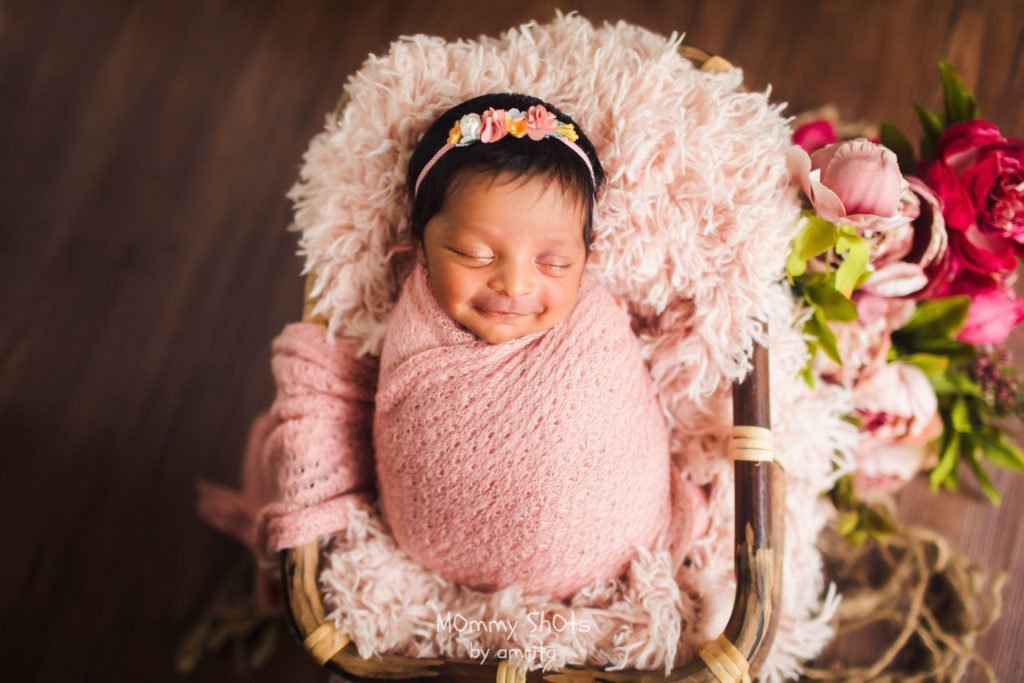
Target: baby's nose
x,y
515,280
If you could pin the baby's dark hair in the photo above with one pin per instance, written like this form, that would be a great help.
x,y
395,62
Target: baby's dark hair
x,y
511,155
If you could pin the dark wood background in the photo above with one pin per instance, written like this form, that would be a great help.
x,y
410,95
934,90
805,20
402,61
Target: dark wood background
x,y
147,149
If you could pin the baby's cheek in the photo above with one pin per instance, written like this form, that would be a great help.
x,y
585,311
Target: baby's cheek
x,y
558,308
454,291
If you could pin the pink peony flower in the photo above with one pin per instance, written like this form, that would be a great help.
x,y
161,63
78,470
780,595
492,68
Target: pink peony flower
x,y
896,402
903,255
884,466
815,134
540,122
896,279
856,182
864,343
864,176
495,125
899,413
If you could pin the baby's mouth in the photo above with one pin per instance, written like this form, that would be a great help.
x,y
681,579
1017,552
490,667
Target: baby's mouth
x,y
499,314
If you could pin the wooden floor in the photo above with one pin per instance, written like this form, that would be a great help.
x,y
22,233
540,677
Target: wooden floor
x,y
147,149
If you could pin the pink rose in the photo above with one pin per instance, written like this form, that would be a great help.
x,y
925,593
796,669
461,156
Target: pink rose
x,y
856,182
994,310
540,122
495,125
815,134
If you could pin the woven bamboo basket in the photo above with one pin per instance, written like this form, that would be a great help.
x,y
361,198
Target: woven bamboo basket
x,y
735,655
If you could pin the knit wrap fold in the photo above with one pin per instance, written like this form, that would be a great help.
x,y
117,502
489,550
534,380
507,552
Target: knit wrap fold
x,y
308,458
319,453
540,462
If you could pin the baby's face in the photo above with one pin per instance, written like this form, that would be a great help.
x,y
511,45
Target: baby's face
x,y
505,258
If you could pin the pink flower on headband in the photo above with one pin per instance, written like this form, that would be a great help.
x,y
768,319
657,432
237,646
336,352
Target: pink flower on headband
x,y
540,122
495,125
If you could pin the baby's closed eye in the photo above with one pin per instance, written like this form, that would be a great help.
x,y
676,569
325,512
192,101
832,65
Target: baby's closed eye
x,y
555,263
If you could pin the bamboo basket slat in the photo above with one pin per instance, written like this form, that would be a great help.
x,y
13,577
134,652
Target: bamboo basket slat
x,y
736,655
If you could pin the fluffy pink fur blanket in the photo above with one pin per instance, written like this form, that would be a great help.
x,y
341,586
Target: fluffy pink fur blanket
x,y
538,462
691,233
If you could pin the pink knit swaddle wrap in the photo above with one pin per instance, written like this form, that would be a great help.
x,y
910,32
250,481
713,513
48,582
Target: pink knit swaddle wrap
x,y
538,462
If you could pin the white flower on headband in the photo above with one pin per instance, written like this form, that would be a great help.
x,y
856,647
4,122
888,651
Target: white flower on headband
x,y
494,124
470,127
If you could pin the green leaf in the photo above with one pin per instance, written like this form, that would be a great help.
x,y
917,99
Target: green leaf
x,y
819,290
847,523
959,417
818,328
931,123
956,351
964,384
986,484
1000,453
953,383
959,102
932,127
815,238
942,317
864,277
842,492
931,330
854,263
795,266
893,138
807,372
946,466
942,385
932,365
876,521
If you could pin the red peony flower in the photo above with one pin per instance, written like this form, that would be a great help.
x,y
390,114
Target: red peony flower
x,y
980,176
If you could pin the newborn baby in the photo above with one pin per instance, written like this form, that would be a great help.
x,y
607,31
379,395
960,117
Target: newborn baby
x,y
517,436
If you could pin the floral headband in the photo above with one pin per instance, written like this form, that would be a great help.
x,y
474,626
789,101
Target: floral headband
x,y
537,123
